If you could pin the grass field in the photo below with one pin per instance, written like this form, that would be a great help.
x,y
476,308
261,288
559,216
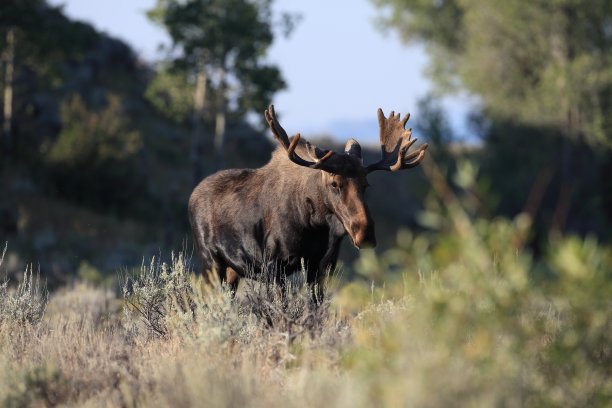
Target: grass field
x,y
459,315
464,317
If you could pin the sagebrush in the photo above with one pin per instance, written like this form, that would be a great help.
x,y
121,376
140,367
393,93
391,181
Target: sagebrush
x,y
463,317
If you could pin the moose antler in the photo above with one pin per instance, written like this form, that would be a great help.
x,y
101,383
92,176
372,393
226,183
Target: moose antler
x,y
395,141
281,136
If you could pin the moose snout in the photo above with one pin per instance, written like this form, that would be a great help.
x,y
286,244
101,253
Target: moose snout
x,y
364,236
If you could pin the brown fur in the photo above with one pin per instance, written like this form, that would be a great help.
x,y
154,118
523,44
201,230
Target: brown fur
x,y
268,222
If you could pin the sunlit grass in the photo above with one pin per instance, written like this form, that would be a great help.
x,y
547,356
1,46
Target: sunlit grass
x,y
462,315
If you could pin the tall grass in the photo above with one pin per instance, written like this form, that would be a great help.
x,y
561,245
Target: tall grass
x,y
24,305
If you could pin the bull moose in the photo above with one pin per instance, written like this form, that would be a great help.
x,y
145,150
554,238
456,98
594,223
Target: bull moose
x,y
293,212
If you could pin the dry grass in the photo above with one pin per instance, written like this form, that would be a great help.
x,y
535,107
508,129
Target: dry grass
x,y
473,321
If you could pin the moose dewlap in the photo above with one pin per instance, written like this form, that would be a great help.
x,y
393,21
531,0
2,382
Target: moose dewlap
x,y
269,222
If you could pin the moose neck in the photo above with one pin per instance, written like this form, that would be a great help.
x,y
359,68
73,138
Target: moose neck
x,y
308,198
304,186
315,199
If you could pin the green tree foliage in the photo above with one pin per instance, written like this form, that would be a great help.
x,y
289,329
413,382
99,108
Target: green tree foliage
x,y
232,36
94,160
171,93
433,124
221,46
541,62
35,40
90,137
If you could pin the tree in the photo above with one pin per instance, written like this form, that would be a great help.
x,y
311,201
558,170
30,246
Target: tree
x,y
7,100
541,62
94,160
433,123
221,46
543,72
15,18
35,38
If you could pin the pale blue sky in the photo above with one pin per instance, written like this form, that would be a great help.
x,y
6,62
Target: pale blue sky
x,y
338,66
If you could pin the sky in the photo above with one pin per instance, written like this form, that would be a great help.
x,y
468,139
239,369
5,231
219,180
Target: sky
x,y
339,67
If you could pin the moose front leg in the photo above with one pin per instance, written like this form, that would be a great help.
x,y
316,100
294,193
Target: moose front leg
x,y
316,285
316,278
224,275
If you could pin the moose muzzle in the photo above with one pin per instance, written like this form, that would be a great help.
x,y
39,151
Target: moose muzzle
x,y
363,235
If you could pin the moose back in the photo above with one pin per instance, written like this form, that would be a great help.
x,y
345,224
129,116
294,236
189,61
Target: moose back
x,y
267,223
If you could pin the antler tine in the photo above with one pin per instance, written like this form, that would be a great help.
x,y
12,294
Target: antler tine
x,y
395,141
420,156
277,130
289,145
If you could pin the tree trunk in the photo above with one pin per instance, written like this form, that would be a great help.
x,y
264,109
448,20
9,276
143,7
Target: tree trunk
x,y
220,121
562,55
199,105
7,121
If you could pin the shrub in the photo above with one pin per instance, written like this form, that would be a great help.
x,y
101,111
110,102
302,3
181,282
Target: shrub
x,y
102,145
163,297
25,304
149,293
483,320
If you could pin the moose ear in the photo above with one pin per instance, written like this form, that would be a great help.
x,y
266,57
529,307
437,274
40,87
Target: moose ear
x,y
353,148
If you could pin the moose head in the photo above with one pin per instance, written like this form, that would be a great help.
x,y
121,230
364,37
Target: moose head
x,y
344,176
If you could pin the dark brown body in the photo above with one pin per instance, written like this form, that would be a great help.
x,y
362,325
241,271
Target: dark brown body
x,y
263,222
292,214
